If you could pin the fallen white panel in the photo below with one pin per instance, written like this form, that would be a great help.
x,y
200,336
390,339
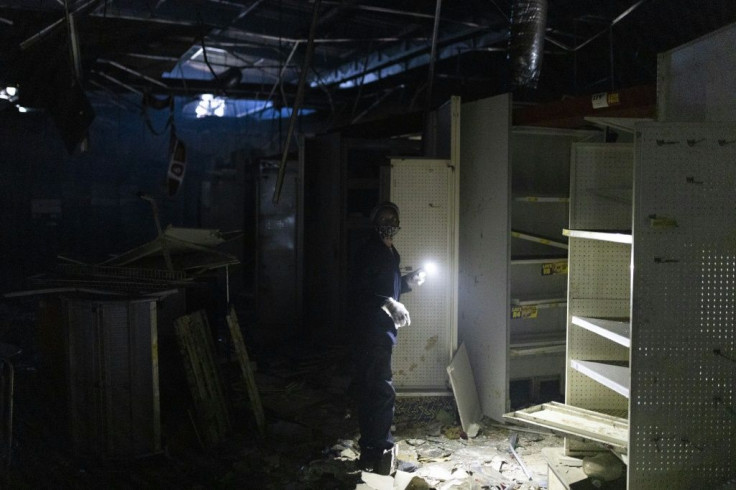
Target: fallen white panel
x,y
377,482
464,389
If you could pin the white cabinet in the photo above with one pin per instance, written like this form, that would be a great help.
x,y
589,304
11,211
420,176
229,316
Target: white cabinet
x,y
514,188
651,334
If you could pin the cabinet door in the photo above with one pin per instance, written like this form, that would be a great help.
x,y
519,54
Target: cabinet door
x,y
483,283
424,190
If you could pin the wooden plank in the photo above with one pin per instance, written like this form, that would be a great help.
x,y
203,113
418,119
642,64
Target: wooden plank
x,y
250,382
197,349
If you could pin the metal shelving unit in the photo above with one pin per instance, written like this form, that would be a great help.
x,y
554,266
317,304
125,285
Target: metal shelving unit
x,y
649,310
539,210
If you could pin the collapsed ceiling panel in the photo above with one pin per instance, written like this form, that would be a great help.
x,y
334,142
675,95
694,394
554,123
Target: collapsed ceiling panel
x,y
374,56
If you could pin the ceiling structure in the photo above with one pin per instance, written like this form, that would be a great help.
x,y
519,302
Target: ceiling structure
x,y
349,60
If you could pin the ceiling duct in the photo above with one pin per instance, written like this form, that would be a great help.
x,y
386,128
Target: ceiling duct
x,y
528,24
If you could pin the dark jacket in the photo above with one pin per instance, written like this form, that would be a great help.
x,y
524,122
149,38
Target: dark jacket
x,y
375,276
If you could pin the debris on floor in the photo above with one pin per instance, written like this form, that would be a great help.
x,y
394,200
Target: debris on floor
x,y
310,441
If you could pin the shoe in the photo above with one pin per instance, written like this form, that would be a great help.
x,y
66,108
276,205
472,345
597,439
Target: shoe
x,y
378,462
368,459
406,466
386,464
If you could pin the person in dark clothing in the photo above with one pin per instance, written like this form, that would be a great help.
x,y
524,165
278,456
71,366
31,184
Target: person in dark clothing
x,y
377,286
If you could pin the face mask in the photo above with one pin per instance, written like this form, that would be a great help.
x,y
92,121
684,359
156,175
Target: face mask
x,y
387,231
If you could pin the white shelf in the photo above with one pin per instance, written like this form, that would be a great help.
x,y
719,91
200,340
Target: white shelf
x,y
537,351
538,339
537,344
599,235
538,239
539,260
613,376
617,331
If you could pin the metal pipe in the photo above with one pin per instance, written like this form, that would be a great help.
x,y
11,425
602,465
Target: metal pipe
x,y
117,82
615,21
528,23
48,29
433,55
417,15
132,72
375,104
247,11
281,73
297,103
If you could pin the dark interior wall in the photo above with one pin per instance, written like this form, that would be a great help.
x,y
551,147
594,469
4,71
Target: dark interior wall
x,y
85,206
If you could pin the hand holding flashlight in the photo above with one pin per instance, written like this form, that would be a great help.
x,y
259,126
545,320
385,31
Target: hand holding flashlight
x,y
418,277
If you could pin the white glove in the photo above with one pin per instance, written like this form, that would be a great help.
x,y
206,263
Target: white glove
x,y
417,278
398,312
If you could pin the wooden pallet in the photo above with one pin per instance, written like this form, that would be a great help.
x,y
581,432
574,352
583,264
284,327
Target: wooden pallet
x,y
250,382
198,353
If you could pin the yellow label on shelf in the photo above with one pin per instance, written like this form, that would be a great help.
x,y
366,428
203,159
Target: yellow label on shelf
x,y
552,268
662,222
523,312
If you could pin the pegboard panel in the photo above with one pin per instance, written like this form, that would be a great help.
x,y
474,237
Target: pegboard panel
x,y
683,352
601,186
599,270
424,191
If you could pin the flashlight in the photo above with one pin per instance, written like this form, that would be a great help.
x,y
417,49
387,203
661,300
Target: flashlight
x,y
430,268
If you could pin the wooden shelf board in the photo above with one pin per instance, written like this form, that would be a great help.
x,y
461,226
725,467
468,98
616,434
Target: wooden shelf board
x,y
617,331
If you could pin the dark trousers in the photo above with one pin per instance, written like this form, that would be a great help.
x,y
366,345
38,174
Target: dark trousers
x,y
375,395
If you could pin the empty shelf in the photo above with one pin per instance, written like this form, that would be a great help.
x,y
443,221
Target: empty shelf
x,y
612,374
616,331
537,344
538,339
599,235
528,309
537,260
545,199
537,351
541,302
538,239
